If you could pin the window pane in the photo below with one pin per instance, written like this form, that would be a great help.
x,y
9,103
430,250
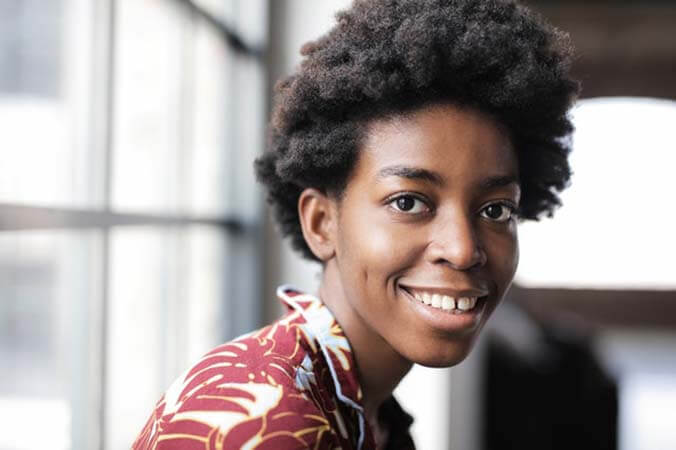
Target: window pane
x,y
221,9
45,50
249,141
49,343
212,145
610,231
149,88
188,114
249,106
206,303
229,110
166,309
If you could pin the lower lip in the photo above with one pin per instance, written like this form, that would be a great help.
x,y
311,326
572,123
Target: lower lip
x,y
452,321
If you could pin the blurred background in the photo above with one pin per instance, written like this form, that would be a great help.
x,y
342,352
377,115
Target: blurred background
x,y
133,237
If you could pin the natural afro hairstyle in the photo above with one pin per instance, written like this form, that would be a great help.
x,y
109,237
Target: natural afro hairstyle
x,y
386,58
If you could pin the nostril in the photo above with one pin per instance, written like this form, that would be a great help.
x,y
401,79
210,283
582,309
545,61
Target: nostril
x,y
459,255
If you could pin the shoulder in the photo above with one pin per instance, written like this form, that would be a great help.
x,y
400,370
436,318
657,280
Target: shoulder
x,y
256,389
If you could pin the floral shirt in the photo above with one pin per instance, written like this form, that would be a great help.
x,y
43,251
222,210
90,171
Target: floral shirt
x,y
290,385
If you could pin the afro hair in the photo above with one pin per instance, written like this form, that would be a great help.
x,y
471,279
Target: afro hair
x,y
385,58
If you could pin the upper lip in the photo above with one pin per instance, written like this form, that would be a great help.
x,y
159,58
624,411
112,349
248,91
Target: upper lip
x,y
455,292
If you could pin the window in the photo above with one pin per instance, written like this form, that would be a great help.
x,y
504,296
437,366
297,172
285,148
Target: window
x,y
611,230
129,217
608,256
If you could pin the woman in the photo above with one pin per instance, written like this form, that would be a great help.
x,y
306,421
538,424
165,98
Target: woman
x,y
402,152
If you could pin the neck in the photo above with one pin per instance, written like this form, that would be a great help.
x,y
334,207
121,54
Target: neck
x,y
379,367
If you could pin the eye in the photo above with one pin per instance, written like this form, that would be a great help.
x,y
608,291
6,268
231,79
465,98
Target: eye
x,y
409,204
498,212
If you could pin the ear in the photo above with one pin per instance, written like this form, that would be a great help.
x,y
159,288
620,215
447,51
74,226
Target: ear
x,y
318,222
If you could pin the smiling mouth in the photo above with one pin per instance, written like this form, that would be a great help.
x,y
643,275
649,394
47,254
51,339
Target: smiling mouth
x,y
452,304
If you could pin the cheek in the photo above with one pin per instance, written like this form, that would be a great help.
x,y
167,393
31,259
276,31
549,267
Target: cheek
x,y
503,256
516,255
514,251
372,246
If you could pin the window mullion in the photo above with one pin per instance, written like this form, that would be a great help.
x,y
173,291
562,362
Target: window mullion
x,y
236,42
106,15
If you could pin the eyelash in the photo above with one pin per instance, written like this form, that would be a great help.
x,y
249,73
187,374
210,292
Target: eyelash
x,y
391,201
509,205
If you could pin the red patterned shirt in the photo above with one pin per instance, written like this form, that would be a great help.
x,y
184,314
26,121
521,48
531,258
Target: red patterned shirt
x,y
290,385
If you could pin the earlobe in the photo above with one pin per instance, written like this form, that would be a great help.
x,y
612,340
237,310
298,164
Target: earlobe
x,y
317,220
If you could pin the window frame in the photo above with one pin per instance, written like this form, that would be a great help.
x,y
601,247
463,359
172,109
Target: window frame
x,y
246,231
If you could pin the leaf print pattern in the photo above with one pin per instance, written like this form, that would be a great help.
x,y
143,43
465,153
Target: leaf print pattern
x,y
290,385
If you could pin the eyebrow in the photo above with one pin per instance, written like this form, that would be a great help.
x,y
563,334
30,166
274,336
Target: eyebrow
x,y
412,173
416,173
499,181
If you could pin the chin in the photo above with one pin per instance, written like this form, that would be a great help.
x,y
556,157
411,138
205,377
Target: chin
x,y
441,362
446,354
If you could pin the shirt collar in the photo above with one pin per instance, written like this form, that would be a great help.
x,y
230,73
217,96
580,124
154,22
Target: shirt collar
x,y
323,328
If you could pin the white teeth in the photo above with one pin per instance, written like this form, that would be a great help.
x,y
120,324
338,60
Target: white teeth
x,y
445,302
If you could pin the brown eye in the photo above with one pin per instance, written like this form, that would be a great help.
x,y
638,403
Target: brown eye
x,y
498,212
409,204
405,203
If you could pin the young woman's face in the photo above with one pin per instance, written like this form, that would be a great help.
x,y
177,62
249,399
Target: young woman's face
x,y
426,242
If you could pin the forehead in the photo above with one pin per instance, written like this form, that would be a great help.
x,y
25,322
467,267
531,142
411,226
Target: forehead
x,y
457,143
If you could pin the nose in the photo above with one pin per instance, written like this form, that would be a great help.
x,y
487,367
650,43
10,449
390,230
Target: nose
x,y
455,243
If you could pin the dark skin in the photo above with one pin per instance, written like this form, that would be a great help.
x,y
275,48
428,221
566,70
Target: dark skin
x,y
427,210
